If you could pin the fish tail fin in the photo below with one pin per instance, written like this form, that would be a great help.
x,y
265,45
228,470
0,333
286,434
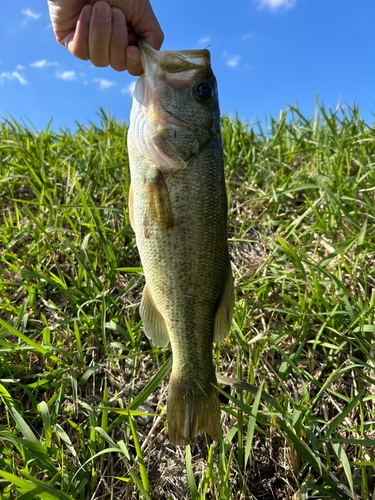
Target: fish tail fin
x,y
191,410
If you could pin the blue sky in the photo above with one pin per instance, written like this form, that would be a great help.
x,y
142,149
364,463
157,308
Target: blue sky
x,y
265,53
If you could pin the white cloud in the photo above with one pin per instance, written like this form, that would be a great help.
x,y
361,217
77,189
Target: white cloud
x,y
20,67
275,4
66,75
247,36
103,83
231,60
20,78
30,14
12,76
129,89
42,64
204,41
5,75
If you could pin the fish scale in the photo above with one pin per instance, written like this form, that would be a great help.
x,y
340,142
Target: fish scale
x,y
179,214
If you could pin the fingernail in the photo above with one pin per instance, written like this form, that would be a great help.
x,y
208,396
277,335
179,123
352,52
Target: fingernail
x,y
117,16
133,60
132,56
87,14
102,13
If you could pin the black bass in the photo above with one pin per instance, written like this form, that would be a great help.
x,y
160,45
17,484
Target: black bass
x,y
178,210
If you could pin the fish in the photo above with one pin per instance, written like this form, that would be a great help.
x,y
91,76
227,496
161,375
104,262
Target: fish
x,y
178,211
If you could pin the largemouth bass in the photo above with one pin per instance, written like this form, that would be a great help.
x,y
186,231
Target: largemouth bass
x,y
178,210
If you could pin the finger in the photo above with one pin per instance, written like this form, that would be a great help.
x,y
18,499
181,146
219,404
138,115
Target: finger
x,y
133,60
78,43
64,17
119,40
155,37
100,34
146,25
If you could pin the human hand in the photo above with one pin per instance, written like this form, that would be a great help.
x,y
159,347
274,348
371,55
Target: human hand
x,y
106,32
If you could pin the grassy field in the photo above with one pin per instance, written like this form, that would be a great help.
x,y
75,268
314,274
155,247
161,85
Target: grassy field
x,y
83,392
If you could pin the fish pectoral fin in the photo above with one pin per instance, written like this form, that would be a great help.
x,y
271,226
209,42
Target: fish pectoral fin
x,y
131,207
159,208
224,311
153,321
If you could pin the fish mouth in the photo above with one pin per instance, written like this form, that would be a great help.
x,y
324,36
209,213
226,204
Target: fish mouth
x,y
175,67
172,61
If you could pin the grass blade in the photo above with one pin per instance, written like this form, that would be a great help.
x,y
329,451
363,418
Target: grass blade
x,y
35,487
142,467
190,475
251,425
341,455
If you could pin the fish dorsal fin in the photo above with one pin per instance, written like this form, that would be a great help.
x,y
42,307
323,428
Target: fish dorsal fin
x,y
153,321
224,312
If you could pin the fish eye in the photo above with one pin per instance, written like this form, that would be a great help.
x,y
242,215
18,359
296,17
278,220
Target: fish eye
x,y
203,91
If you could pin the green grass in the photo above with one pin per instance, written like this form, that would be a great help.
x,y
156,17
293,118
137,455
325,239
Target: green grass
x,y
82,391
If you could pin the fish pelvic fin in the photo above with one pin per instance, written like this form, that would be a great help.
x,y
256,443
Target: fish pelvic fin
x,y
224,311
153,321
191,410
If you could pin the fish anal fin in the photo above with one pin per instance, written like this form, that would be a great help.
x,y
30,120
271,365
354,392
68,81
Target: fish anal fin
x,y
153,321
191,410
224,311
159,208
131,207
